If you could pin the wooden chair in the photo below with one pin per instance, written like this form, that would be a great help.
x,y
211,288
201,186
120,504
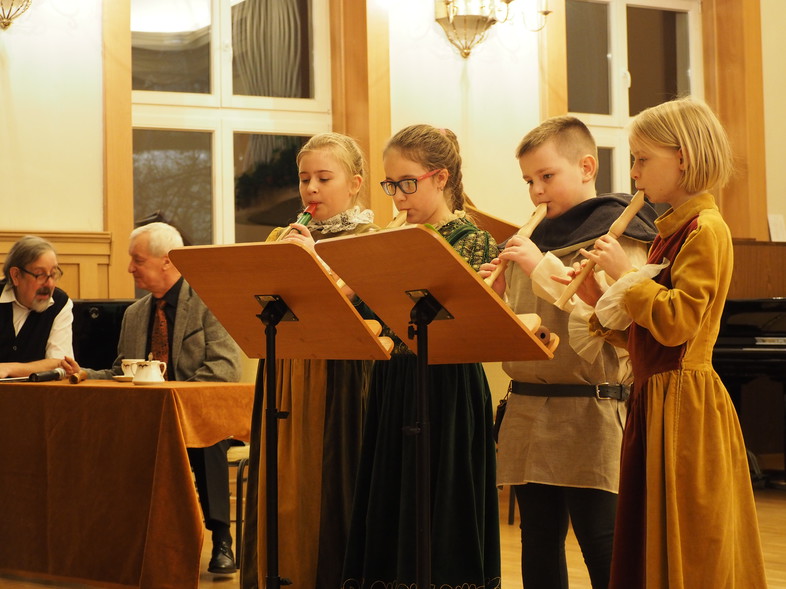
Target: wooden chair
x,y
238,456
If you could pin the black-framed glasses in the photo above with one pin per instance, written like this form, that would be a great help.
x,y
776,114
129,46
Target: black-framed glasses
x,y
407,185
42,277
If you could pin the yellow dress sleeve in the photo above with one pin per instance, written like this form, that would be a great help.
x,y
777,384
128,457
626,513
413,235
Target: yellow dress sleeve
x,y
274,234
704,263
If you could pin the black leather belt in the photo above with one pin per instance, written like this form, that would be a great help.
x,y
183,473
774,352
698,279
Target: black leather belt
x,y
620,392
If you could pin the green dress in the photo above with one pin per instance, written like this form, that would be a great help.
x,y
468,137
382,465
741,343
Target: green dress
x,y
464,505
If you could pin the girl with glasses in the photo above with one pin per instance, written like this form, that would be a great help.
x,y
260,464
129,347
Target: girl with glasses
x,y
423,176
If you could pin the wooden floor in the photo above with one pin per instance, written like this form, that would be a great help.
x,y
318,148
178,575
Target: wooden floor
x,y
771,505
771,508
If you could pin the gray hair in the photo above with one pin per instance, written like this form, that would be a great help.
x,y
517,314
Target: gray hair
x,y
26,251
162,238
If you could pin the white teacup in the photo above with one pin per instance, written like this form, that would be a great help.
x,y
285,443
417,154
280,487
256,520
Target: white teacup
x,y
149,371
129,366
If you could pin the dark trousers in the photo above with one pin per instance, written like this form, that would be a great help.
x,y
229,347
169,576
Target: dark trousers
x,y
211,472
546,511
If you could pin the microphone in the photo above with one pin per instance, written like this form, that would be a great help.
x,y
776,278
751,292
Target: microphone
x,y
55,374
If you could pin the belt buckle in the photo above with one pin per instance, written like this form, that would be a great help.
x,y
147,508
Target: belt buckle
x,y
602,397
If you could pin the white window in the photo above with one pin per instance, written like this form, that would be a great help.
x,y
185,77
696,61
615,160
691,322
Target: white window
x,y
224,93
624,56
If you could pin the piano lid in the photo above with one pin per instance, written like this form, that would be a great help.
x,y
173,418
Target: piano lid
x,y
753,322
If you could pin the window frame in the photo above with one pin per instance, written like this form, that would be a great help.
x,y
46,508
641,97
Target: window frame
x,y
223,114
610,130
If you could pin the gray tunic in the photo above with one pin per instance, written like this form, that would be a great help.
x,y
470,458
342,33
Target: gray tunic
x,y
564,441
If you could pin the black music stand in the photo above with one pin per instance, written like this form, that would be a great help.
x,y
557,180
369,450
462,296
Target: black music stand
x,y
305,315
411,276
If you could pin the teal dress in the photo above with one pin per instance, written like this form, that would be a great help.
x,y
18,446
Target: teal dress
x,y
464,505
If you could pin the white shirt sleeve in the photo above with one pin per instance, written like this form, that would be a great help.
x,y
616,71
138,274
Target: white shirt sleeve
x,y
61,341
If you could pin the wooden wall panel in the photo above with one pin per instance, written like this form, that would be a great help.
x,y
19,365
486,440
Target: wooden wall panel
x,y
759,270
118,144
734,88
554,63
361,85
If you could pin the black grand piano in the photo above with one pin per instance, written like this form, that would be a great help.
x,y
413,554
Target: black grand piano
x,y
752,343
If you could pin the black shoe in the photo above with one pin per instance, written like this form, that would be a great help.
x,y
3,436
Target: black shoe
x,y
223,561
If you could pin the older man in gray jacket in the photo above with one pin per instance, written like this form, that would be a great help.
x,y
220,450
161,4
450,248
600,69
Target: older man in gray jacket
x,y
196,347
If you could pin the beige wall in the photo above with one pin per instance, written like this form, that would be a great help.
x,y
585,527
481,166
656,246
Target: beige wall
x,y
51,133
490,100
773,15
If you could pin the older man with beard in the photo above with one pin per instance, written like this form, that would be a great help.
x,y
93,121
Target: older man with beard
x,y
35,315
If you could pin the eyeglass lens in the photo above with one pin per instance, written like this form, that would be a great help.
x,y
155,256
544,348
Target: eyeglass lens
x,y
407,185
41,277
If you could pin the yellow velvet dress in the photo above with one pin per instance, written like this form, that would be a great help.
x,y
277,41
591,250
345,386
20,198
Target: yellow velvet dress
x,y
318,453
686,516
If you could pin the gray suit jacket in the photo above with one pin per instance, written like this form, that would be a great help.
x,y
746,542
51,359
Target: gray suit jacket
x,y
202,350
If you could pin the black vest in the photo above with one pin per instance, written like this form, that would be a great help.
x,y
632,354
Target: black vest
x,y
30,344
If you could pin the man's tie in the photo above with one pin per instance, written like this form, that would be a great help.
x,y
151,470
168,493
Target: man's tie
x,y
159,339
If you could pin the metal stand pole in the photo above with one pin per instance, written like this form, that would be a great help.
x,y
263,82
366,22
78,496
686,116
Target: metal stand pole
x,y
274,311
425,310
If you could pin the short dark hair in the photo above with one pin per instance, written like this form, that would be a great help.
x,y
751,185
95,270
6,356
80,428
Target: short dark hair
x,y
573,138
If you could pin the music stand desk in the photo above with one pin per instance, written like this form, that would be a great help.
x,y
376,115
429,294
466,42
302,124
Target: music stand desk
x,y
229,279
383,267
306,316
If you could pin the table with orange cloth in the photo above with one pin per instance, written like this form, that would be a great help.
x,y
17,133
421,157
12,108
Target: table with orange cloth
x,y
95,484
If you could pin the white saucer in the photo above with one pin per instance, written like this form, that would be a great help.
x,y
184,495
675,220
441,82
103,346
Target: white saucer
x,y
148,382
123,378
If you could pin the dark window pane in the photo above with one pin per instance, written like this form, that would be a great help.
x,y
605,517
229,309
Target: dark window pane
x,y
266,184
658,56
588,57
603,183
173,181
272,49
170,46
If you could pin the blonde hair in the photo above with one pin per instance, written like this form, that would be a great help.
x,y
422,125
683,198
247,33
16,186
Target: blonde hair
x,y
571,136
434,149
690,125
348,154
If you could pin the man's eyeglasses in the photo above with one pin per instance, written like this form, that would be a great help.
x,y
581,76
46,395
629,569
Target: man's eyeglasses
x,y
42,277
407,186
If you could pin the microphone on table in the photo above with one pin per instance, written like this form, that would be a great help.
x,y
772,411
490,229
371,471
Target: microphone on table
x,y
56,374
